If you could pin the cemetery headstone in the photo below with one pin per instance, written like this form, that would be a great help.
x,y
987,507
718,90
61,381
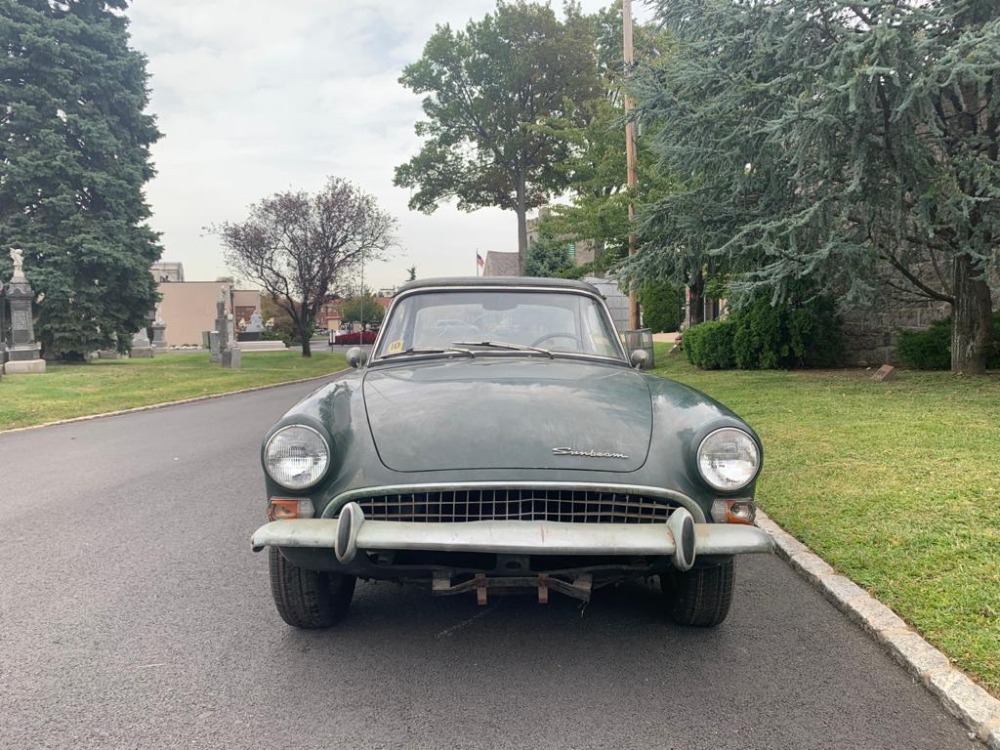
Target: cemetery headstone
x,y
141,348
884,373
24,355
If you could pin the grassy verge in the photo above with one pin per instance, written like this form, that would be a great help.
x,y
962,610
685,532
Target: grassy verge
x,y
896,484
67,391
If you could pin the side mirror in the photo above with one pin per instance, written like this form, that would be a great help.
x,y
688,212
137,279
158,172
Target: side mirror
x,y
356,357
638,358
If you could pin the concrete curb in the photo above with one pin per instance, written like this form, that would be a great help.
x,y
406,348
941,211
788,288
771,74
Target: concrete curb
x,y
964,699
164,404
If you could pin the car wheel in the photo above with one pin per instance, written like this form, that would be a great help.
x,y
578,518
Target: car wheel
x,y
700,596
309,598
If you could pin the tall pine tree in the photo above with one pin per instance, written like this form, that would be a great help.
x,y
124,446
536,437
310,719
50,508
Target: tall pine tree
x,y
74,154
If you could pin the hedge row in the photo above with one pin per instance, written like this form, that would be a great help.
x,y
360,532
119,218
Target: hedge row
x,y
931,349
763,336
710,345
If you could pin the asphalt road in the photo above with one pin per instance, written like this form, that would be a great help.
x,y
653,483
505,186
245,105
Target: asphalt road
x,y
134,615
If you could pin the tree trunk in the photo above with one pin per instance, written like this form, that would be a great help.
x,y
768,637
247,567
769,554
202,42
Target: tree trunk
x,y
972,319
696,299
305,333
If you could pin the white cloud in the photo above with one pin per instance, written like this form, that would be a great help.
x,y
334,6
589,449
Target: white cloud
x,y
255,96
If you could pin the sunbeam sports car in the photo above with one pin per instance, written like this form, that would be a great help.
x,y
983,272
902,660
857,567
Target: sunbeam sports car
x,y
499,437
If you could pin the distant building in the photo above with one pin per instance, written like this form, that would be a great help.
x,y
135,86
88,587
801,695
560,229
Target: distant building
x,y
501,264
163,271
189,308
578,251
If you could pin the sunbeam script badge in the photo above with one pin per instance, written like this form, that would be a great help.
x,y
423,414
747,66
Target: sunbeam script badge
x,y
586,454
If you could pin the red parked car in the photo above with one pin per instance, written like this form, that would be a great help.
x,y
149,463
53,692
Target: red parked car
x,y
354,338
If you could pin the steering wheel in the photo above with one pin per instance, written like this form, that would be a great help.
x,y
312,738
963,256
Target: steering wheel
x,y
557,335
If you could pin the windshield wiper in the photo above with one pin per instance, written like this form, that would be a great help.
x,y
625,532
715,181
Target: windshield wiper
x,y
414,350
505,345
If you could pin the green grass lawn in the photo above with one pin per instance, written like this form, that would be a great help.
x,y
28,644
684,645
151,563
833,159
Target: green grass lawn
x,y
895,484
67,391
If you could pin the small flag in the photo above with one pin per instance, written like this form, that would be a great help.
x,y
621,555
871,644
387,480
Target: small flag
x,y
479,260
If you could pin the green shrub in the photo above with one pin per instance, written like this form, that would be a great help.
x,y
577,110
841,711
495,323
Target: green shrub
x,y
794,334
661,305
276,335
710,345
762,336
926,350
930,349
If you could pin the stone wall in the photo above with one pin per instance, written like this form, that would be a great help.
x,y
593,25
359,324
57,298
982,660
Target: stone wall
x,y
870,335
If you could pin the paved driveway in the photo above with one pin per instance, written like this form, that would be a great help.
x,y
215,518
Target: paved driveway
x,y
134,615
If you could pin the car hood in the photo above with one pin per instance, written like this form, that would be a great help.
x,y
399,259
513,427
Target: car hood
x,y
509,413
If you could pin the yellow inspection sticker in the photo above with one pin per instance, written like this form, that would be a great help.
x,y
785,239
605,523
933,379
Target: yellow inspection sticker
x,y
395,346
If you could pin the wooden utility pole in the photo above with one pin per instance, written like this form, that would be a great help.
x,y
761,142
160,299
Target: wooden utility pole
x,y
633,302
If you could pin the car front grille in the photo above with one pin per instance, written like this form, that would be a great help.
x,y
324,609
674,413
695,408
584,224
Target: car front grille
x,y
521,504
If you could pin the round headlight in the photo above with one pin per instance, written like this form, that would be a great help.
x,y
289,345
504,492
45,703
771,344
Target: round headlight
x,y
728,459
296,457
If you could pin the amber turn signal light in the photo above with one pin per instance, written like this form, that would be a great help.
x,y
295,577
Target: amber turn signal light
x,y
734,511
286,509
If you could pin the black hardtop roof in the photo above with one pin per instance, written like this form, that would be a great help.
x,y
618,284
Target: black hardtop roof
x,y
500,282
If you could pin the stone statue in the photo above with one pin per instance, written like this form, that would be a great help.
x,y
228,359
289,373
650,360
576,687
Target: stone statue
x,y
220,306
17,256
255,325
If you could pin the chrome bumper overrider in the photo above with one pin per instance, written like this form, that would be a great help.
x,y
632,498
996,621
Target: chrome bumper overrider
x,y
680,538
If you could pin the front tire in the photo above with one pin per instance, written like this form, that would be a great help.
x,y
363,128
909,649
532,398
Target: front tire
x,y
308,598
701,596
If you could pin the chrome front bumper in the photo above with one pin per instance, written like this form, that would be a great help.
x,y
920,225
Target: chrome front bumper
x,y
680,538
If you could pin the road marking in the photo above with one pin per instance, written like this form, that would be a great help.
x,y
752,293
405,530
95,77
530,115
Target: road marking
x,y
466,623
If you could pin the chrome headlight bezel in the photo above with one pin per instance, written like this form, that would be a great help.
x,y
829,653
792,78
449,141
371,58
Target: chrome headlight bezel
x,y
714,475
313,474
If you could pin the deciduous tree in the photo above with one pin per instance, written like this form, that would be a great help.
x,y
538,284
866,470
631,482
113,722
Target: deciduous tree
x,y
299,246
499,95
363,309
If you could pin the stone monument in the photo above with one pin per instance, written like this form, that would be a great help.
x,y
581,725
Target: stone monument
x,y
216,336
213,347
229,351
111,353
253,329
24,353
159,329
141,348
227,343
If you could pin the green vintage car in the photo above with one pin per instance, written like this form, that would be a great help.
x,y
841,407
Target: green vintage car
x,y
500,438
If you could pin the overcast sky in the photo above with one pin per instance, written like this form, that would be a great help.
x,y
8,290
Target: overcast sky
x,y
257,96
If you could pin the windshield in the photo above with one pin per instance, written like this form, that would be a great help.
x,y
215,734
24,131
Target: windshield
x,y
498,320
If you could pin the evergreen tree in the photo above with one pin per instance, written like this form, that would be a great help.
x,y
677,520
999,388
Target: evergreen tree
x,y
547,256
74,150
839,141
